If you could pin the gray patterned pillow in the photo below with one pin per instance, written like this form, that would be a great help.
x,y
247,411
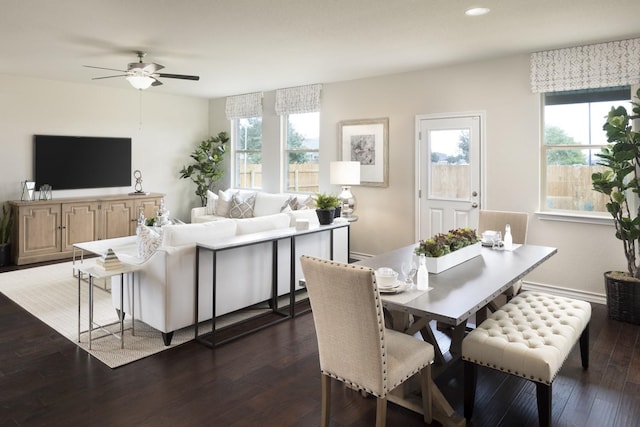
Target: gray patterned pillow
x,y
242,208
148,241
290,205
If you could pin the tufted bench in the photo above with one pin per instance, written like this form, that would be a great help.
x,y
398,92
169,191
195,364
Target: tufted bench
x,y
530,337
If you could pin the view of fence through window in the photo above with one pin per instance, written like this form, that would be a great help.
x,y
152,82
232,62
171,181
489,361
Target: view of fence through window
x,y
450,170
573,135
248,153
302,169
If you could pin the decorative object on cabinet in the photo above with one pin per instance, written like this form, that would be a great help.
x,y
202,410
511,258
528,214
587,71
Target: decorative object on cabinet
x,y
45,192
207,167
28,191
367,142
138,186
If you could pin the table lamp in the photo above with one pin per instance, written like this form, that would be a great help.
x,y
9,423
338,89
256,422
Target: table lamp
x,y
345,174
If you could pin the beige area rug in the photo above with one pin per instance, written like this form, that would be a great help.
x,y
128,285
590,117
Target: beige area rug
x,y
51,294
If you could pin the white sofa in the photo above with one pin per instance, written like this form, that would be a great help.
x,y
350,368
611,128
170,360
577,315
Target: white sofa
x,y
264,204
165,284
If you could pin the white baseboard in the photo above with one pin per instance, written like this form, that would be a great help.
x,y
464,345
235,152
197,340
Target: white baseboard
x,y
533,286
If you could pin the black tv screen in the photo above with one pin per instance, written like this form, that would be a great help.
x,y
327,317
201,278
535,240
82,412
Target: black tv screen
x,y
75,162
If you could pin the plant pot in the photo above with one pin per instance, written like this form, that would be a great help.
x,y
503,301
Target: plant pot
x,y
5,254
325,216
439,264
623,297
338,212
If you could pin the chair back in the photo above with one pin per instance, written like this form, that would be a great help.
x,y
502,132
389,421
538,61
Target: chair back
x,y
349,322
497,220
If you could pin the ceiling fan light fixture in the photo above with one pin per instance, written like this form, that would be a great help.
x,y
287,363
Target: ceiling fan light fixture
x,y
140,82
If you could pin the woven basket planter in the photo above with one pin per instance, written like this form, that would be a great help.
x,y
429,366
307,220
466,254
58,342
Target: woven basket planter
x,y
623,298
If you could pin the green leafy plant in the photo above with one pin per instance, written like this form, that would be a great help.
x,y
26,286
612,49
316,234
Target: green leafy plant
x,y
6,225
326,201
206,168
444,243
620,180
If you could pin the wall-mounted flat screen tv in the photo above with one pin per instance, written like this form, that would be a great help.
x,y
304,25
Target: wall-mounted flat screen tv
x,y
76,162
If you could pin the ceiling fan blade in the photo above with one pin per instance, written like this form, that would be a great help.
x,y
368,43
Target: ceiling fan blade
x,y
178,76
153,67
110,77
102,68
156,82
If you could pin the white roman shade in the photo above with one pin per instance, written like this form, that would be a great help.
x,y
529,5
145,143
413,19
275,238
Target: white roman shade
x,y
299,99
244,106
586,67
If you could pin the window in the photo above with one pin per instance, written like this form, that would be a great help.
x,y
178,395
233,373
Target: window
x,y
573,136
248,153
301,165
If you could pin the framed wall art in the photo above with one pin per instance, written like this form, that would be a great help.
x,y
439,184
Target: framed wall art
x,y
366,141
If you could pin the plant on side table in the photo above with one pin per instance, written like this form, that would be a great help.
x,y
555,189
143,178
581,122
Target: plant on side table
x,y
207,167
620,182
326,205
6,228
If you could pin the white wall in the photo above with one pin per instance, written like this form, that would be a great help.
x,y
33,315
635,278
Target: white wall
x,y
164,130
498,87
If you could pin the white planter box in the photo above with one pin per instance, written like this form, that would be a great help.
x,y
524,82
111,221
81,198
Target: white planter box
x,y
439,264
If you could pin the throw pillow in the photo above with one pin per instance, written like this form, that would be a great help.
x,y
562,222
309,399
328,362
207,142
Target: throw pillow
x,y
210,209
290,205
148,241
242,208
307,203
223,204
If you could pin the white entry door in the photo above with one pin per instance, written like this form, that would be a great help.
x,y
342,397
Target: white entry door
x,y
448,179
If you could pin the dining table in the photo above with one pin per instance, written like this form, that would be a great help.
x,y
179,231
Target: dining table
x,y
455,298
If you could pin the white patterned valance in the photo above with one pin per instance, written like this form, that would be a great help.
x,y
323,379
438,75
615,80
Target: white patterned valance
x,y
244,106
297,100
586,67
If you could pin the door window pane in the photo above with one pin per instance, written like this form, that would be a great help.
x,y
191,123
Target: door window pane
x,y
450,172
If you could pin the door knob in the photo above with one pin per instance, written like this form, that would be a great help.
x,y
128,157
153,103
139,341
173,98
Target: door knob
x,y
474,205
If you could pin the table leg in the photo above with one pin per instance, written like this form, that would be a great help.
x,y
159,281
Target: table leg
x,y
90,308
121,310
133,304
79,302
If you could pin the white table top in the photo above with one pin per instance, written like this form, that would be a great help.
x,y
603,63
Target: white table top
x,y
100,273
462,290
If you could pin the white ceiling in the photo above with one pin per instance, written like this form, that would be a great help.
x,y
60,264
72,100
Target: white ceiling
x,y
241,46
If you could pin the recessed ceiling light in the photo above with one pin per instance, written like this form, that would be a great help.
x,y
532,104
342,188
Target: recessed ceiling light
x,y
477,11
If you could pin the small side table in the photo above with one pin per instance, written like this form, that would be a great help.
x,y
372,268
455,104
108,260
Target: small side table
x,y
95,272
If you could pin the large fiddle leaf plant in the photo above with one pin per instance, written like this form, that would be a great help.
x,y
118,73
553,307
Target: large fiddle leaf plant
x,y
206,168
620,180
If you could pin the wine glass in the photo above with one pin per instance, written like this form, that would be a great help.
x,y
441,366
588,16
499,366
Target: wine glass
x,y
408,269
497,240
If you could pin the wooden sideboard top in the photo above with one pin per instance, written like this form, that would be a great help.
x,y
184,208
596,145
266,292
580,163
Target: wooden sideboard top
x,y
84,199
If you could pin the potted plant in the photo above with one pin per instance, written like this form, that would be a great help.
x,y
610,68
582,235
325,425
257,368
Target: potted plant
x,y
446,250
207,167
326,205
6,226
620,182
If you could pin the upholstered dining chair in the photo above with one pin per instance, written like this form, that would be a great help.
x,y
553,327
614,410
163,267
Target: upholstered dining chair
x,y
353,345
497,220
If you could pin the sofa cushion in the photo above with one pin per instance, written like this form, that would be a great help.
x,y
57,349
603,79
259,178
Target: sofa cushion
x,y
242,207
263,223
189,234
269,203
211,203
223,204
305,203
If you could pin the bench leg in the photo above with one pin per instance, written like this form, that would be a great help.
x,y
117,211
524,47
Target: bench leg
x,y
470,378
543,395
584,347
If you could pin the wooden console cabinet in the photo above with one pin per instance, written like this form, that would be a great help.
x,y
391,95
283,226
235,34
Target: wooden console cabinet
x,y
46,230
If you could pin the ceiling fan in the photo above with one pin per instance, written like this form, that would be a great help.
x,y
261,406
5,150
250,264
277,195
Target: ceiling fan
x,y
142,75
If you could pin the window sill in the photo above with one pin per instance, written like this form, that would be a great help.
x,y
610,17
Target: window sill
x,y
574,217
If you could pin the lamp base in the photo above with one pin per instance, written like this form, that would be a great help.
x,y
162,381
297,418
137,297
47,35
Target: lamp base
x,y
348,201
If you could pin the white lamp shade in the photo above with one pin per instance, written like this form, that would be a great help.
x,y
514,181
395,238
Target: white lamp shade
x,y
344,173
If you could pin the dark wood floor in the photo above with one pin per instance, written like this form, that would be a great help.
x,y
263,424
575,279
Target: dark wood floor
x,y
271,378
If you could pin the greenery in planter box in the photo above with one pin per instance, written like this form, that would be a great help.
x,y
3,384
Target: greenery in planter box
x,y
620,180
207,167
442,244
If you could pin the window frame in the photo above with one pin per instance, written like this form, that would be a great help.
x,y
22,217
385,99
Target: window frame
x,y
284,132
611,94
235,136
